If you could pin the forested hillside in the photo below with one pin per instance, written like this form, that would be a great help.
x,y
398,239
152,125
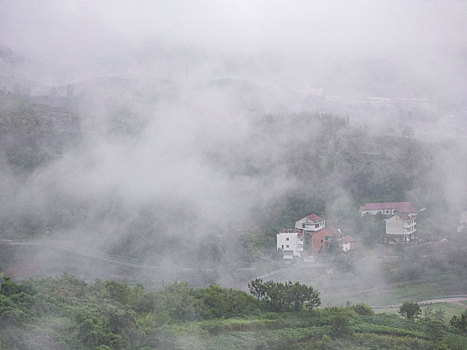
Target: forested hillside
x,y
280,167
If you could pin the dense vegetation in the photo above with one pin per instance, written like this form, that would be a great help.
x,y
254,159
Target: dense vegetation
x,y
31,134
66,313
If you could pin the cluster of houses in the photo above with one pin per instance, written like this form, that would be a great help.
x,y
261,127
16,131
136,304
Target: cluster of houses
x,y
311,235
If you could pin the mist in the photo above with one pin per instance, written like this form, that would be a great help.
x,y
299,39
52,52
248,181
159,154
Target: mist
x,y
183,132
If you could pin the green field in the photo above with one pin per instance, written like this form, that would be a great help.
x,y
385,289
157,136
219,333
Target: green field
x,y
449,309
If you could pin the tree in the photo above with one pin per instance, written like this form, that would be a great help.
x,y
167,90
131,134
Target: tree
x,y
277,296
410,310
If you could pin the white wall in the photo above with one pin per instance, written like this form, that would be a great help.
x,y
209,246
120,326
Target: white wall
x,y
290,241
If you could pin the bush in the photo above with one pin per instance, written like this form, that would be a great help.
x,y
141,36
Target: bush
x,y
215,302
460,323
363,309
410,310
340,326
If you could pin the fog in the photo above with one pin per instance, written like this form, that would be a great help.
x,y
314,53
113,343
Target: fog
x,y
166,160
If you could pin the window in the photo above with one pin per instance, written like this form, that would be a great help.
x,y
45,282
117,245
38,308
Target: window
x,y
287,239
303,225
287,246
321,241
316,225
282,247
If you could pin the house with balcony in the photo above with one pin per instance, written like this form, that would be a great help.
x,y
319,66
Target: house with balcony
x,y
308,225
290,242
311,235
388,209
400,229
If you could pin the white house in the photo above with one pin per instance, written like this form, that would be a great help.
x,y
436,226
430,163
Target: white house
x,y
310,223
400,228
290,242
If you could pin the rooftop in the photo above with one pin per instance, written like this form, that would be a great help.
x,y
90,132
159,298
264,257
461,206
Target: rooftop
x,y
401,207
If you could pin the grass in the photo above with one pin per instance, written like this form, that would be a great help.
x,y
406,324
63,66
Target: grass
x,y
449,309
389,297
311,330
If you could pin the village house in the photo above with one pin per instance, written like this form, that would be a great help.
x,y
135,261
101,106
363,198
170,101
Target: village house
x,y
290,242
321,239
400,229
311,235
347,243
387,209
310,223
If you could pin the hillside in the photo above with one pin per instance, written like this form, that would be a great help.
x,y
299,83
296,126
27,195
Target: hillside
x,y
66,313
32,134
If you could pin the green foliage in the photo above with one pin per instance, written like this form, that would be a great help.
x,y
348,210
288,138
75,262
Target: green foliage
x,y
216,302
371,229
363,309
66,313
340,326
276,296
178,301
410,310
459,322
435,329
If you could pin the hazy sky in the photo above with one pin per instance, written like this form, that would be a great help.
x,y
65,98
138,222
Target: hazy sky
x,y
302,38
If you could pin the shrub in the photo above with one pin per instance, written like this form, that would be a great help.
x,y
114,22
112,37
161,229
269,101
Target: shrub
x,y
410,310
363,309
340,326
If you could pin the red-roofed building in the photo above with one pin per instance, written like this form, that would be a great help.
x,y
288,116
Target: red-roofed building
x,y
390,208
311,235
310,223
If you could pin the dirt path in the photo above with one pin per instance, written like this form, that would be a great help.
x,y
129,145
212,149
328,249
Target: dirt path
x,y
453,300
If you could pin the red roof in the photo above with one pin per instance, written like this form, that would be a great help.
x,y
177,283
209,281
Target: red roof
x,y
401,207
315,218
